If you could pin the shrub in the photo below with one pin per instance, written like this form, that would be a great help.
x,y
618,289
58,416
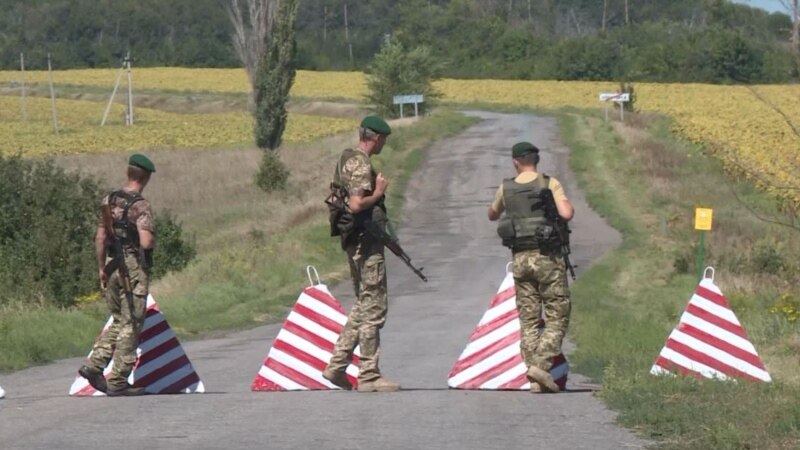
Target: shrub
x,y
767,257
47,225
272,173
173,249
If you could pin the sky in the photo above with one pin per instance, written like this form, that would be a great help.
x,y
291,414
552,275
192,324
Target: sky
x,y
769,5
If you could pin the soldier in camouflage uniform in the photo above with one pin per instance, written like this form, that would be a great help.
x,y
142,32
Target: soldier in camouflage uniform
x,y
540,277
133,226
364,192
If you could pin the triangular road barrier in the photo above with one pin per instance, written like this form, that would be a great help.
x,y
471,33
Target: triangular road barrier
x,y
492,358
709,341
304,345
162,366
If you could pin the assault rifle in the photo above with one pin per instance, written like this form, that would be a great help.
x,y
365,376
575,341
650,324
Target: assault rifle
x,y
118,262
561,226
392,244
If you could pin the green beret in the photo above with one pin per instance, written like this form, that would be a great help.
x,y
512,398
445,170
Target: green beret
x,y
523,148
143,162
377,125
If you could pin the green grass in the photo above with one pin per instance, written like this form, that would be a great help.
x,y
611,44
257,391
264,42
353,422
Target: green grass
x,y
646,185
250,280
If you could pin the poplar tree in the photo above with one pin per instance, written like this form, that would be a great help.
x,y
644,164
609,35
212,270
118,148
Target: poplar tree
x,y
275,76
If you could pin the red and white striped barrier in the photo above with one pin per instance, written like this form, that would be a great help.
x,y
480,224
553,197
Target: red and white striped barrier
x,y
492,358
304,346
162,366
709,341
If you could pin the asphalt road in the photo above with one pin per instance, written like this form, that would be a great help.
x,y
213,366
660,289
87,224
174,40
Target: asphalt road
x,y
446,230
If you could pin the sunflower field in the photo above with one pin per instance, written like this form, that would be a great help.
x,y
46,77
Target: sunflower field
x,y
80,131
754,130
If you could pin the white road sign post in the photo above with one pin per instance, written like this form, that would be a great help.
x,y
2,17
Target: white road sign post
x,y
617,97
401,100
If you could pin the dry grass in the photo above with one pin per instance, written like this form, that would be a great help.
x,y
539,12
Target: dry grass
x,y
213,193
647,185
736,246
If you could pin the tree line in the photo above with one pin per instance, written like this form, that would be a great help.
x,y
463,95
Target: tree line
x,y
637,40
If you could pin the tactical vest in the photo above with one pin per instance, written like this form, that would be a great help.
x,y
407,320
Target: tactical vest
x,y
347,224
524,213
124,230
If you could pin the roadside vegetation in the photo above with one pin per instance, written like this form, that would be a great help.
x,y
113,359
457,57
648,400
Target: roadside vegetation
x,y
251,248
647,184
715,41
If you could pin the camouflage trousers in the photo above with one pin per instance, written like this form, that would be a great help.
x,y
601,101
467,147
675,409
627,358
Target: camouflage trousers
x,y
542,293
368,271
121,339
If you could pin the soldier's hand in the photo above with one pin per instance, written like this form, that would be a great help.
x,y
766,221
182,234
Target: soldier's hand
x,y
103,279
380,184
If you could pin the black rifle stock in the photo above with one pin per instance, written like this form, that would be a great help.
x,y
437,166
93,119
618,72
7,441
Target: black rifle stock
x,y
118,262
561,227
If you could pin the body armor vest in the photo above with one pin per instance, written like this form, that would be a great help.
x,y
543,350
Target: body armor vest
x,y
124,230
346,223
524,213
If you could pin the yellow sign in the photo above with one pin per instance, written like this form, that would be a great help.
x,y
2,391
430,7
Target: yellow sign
x,y
702,219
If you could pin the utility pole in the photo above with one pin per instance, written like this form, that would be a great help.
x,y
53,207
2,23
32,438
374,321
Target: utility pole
x,y
113,93
130,91
627,14
24,100
530,13
796,26
52,93
347,35
605,14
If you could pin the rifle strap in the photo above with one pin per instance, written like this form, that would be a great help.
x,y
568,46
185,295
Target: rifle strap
x,y
544,181
130,199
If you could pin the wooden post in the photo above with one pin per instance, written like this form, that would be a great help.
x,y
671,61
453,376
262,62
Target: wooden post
x,y
130,91
24,100
52,93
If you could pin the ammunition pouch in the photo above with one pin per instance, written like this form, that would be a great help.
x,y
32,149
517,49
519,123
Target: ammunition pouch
x,y
146,259
520,233
547,237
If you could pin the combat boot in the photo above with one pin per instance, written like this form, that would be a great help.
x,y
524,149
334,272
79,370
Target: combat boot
x,y
536,388
337,378
94,377
126,390
543,378
379,385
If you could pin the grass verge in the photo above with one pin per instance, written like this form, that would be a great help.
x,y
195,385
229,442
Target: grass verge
x,y
647,185
253,247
